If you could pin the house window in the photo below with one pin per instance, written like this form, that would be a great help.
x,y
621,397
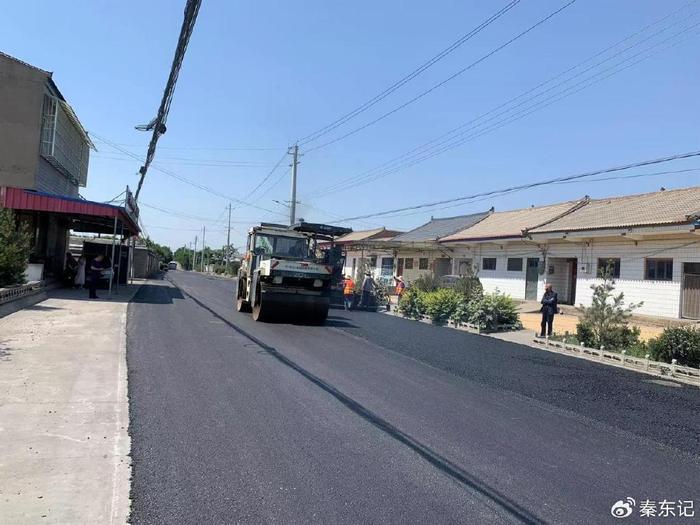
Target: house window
x,y
408,263
488,263
658,269
609,262
373,261
399,267
423,263
48,126
387,266
515,264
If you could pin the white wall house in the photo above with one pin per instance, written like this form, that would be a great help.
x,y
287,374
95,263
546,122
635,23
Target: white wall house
x,y
369,249
418,251
651,241
503,259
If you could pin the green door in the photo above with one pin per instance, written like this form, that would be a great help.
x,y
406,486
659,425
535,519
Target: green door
x,y
531,276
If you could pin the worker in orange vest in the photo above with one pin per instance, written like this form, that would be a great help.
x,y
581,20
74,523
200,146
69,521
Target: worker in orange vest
x,y
400,287
348,292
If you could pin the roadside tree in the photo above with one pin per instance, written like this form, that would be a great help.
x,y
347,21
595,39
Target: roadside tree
x,y
14,249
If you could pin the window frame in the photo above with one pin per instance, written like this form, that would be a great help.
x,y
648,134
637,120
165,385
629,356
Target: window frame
x,y
408,263
495,263
509,269
617,266
422,266
668,263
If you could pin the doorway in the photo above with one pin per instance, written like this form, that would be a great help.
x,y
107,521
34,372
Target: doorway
x,y
532,273
690,292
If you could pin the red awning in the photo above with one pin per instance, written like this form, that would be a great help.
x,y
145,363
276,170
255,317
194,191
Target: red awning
x,y
21,199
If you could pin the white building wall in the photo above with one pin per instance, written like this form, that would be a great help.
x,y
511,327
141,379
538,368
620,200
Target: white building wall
x,y
508,282
661,298
358,255
416,272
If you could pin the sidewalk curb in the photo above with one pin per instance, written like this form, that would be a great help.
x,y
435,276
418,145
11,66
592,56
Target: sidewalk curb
x,y
23,302
553,348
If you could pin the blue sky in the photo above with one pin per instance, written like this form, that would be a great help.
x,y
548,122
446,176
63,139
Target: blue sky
x,y
263,74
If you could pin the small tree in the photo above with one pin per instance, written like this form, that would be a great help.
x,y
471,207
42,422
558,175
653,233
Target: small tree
x,y
14,249
604,323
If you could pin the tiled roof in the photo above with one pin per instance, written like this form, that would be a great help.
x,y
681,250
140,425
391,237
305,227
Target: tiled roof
x,y
507,224
440,227
365,235
646,209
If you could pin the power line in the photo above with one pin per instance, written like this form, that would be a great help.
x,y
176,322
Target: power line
x,y
158,123
183,179
442,144
198,218
413,74
530,185
528,110
207,148
443,82
191,161
265,179
602,179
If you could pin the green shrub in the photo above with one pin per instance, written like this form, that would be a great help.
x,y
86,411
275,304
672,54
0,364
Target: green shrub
x,y
469,286
426,283
411,304
604,323
440,305
464,309
14,249
490,311
615,337
680,343
381,292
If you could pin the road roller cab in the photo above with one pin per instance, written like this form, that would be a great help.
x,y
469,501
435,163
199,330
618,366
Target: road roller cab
x,y
286,274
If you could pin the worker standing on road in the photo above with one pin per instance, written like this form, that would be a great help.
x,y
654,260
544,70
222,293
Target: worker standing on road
x,y
348,292
367,286
549,308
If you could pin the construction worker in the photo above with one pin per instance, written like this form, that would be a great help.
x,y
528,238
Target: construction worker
x,y
400,287
348,292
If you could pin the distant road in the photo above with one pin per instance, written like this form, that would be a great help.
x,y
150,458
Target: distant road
x,y
375,419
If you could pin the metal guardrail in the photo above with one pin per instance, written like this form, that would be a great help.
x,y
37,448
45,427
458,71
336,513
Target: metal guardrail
x,y
685,373
16,292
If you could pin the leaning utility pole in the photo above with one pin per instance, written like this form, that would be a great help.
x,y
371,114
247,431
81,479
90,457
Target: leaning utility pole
x,y
293,203
204,233
227,252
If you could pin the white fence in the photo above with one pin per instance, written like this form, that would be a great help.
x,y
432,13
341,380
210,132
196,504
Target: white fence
x,y
16,292
685,374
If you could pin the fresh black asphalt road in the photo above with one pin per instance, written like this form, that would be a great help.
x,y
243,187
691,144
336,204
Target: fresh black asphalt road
x,y
376,419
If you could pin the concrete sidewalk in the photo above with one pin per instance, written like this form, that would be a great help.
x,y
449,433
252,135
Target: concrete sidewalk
x,y
64,410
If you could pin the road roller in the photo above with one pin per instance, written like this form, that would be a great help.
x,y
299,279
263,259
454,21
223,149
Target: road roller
x,y
287,272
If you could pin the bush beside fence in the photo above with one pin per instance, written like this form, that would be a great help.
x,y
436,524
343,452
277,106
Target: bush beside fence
x,y
464,305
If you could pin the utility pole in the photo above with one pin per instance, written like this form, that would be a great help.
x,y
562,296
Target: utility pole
x,y
204,233
194,254
293,202
228,238
191,252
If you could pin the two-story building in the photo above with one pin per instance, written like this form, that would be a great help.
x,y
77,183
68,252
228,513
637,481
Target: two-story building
x,y
44,158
